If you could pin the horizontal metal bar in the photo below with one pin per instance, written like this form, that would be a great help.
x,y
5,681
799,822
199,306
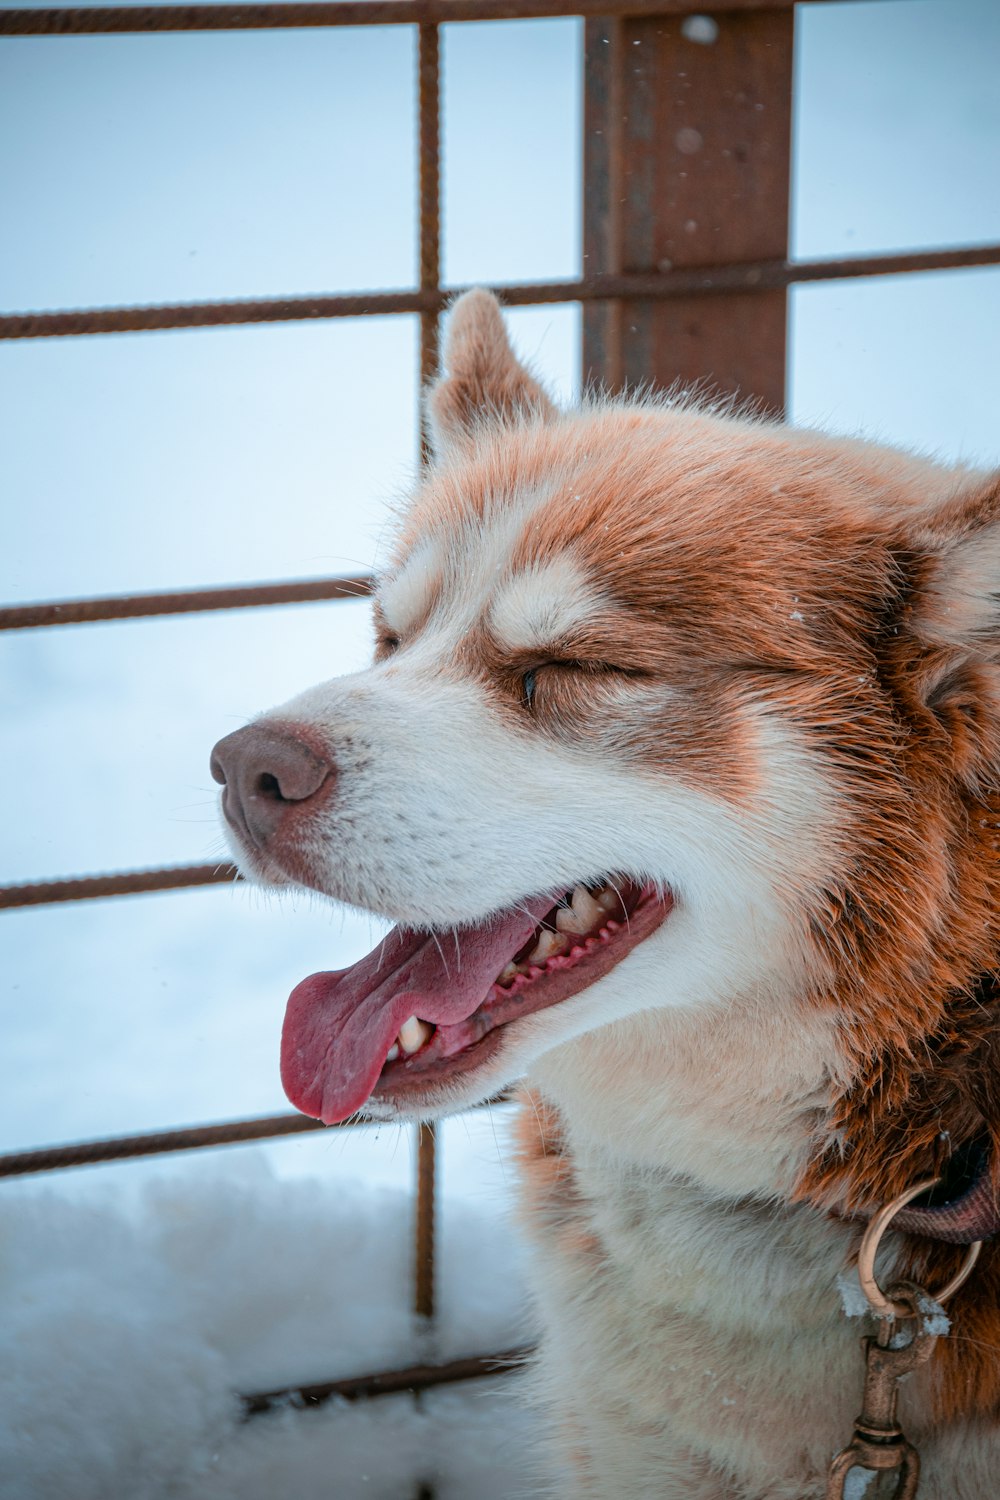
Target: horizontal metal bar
x,y
76,323
390,1382
181,602
79,21
162,1142
158,1143
127,883
763,275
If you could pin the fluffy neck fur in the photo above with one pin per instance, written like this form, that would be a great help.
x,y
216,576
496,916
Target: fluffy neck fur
x,y
729,1096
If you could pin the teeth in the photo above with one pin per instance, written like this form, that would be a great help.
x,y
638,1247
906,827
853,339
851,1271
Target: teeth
x,y
609,901
508,973
393,1053
548,945
582,915
413,1034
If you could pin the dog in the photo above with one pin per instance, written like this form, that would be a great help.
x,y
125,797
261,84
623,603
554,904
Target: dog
x,y
677,769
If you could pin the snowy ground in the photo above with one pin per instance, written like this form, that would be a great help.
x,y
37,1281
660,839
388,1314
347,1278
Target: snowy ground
x,y
133,1318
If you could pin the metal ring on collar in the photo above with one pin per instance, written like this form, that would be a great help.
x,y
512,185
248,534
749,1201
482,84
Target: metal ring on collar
x,y
881,1305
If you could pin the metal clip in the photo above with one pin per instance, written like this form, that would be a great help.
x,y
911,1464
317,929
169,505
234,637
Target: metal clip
x,y
878,1443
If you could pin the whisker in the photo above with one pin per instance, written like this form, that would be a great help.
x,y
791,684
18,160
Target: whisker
x,y
614,887
440,950
496,1143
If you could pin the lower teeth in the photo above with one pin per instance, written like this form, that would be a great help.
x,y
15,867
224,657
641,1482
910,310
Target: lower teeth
x,y
413,1034
549,945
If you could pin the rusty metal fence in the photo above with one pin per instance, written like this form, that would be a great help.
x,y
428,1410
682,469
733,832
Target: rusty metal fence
x,y
686,170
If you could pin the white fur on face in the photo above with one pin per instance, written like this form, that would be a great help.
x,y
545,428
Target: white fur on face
x,y
539,605
406,596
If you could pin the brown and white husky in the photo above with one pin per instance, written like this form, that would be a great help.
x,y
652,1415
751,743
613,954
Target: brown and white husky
x,y
677,768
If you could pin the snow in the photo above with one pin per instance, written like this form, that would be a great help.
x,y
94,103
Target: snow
x,y
934,1321
852,1298
135,1315
701,29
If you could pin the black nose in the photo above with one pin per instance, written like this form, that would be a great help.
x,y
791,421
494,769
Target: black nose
x,y
265,771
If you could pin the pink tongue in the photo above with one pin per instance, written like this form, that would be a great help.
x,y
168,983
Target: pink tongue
x,y
340,1026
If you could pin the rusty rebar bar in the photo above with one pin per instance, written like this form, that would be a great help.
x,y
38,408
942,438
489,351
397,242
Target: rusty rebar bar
x,y
758,275
192,1138
604,181
424,1222
80,21
81,322
390,1382
156,1143
123,883
429,255
182,602
429,218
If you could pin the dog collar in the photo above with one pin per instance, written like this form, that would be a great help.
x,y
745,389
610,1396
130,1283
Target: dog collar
x,y
964,1206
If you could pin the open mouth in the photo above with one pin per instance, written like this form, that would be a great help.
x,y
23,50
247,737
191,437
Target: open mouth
x,y
428,1008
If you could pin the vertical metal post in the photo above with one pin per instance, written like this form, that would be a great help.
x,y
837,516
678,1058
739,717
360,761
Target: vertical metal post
x,y
429,151
603,191
423,1268
687,129
429,147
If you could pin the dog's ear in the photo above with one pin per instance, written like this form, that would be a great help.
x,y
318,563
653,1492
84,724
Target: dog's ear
x,y
955,616
961,600
483,383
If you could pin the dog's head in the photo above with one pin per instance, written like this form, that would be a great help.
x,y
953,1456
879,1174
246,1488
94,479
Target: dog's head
x,y
668,706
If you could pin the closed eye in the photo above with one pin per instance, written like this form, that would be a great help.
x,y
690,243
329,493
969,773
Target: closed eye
x,y
530,679
386,643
